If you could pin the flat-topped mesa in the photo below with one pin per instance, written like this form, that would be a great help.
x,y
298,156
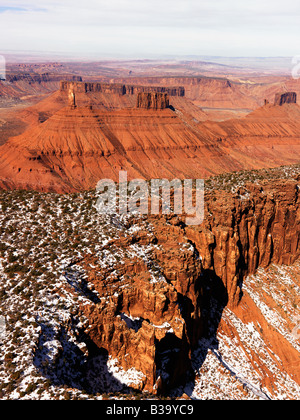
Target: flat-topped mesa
x,y
13,77
285,98
152,100
84,87
118,88
171,90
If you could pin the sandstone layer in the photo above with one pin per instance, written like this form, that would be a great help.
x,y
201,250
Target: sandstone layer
x,y
77,146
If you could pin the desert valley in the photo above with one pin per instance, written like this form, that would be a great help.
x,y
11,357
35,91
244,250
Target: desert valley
x,y
142,306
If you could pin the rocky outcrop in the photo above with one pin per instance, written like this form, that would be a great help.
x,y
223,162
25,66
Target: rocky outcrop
x,y
152,100
85,87
171,91
119,88
257,226
72,98
285,98
208,92
139,318
153,308
39,78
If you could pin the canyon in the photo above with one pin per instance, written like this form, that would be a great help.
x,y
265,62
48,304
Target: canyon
x,y
151,321
147,304
148,307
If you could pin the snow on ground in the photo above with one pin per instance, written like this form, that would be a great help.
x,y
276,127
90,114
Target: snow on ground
x,y
42,351
43,237
129,377
236,364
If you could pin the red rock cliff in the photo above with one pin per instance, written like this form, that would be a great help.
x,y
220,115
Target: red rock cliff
x,y
258,225
152,100
285,98
154,308
119,88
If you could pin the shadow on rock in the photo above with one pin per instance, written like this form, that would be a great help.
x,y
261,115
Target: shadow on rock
x,y
212,300
61,361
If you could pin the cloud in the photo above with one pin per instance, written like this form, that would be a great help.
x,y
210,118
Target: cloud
x,y
141,27
169,13
159,13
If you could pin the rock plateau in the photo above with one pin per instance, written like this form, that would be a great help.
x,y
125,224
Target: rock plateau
x,y
79,145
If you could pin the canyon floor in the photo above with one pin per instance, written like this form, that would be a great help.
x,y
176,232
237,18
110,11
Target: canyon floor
x,y
133,306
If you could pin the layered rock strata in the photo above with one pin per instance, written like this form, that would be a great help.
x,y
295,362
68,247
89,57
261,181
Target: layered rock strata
x,y
75,148
152,101
119,88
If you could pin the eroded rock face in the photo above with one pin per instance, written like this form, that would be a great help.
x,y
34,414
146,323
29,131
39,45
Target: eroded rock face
x,y
151,100
85,87
153,308
139,318
257,226
119,88
285,98
38,78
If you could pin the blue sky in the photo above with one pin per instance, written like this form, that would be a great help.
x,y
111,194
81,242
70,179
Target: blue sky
x,y
139,28
14,9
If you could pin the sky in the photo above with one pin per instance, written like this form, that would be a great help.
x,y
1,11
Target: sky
x,y
152,28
